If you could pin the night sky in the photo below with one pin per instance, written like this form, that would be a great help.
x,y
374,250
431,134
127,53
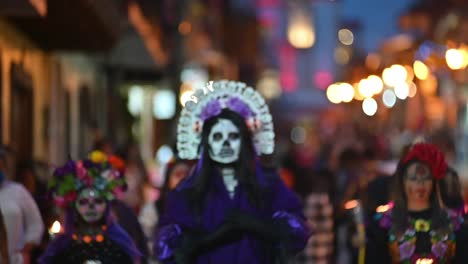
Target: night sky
x,y
378,18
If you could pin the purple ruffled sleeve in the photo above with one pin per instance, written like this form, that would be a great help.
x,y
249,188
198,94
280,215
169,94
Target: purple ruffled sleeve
x,y
298,233
166,240
287,213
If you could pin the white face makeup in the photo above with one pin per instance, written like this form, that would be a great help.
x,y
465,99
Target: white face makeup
x,y
224,141
418,183
90,205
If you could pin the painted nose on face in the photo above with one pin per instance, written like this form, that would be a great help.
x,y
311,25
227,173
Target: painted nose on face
x,y
91,206
226,143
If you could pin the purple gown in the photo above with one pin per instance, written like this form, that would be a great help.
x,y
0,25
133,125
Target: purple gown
x,y
281,205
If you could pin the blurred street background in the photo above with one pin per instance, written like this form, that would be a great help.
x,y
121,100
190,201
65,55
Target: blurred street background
x,y
350,83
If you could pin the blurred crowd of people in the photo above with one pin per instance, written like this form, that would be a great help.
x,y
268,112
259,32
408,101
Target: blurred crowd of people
x,y
326,173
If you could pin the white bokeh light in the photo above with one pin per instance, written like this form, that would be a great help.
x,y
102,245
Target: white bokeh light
x,y
389,98
135,100
164,154
365,88
369,106
164,104
346,92
402,90
333,93
375,83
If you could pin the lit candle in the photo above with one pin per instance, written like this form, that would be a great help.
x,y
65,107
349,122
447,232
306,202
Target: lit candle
x,y
424,261
55,228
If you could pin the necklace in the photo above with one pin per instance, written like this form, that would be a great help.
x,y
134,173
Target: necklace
x,y
88,238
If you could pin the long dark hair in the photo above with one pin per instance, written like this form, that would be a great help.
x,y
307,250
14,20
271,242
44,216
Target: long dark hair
x,y
400,215
451,190
245,167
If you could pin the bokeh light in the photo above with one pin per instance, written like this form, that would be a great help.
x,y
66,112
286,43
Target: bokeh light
x,y
365,88
346,91
342,55
369,106
420,70
402,90
389,98
455,59
394,75
345,36
412,90
376,83
333,93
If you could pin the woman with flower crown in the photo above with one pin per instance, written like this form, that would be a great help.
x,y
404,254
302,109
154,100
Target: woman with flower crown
x,y
416,228
84,189
230,209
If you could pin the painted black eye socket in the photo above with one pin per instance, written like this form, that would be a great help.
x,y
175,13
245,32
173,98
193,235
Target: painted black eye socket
x,y
234,135
87,201
217,136
83,201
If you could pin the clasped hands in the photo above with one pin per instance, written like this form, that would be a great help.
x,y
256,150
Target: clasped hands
x,y
192,242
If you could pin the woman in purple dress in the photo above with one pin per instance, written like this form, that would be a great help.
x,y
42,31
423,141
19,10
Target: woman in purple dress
x,y
230,210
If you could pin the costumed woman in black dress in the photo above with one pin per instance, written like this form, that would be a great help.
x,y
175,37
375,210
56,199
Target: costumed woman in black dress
x,y
416,228
84,189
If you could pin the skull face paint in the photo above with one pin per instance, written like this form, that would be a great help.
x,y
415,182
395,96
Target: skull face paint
x,y
90,205
224,141
418,183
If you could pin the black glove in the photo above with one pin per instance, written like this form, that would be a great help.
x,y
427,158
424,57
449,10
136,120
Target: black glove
x,y
265,228
189,244
194,243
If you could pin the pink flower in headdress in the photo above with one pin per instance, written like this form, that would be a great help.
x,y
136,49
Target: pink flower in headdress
x,y
60,201
88,181
70,196
118,192
81,171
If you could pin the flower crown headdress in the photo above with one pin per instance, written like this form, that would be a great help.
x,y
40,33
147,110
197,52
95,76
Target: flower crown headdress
x,y
101,172
210,101
430,155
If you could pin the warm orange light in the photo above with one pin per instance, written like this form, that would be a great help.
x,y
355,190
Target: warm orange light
x,y
382,208
455,59
351,204
373,61
185,27
424,261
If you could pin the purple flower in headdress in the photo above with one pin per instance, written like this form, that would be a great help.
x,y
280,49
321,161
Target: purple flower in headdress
x,y
59,172
439,248
237,105
406,250
88,164
213,108
69,167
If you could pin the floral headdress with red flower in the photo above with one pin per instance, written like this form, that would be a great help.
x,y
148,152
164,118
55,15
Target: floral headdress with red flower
x,y
99,171
430,155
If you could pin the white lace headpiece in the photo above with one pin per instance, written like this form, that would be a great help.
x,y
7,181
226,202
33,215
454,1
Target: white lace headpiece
x,y
209,102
